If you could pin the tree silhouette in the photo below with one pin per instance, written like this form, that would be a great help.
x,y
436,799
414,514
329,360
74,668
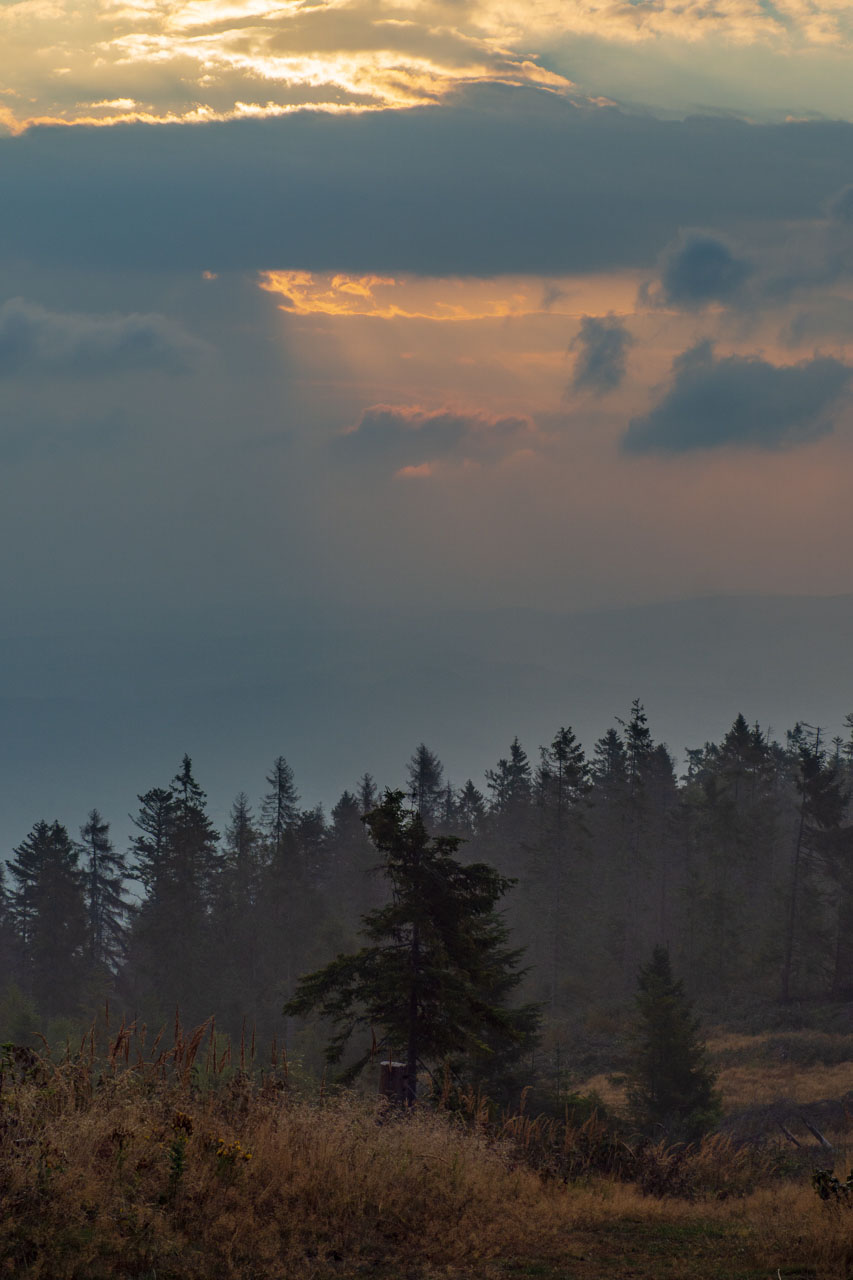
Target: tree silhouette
x,y
436,972
671,1088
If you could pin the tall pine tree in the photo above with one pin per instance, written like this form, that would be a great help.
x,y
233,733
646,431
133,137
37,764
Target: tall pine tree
x,y
104,874
436,972
48,913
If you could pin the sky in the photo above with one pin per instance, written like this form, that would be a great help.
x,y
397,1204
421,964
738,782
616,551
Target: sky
x,y
337,304
322,309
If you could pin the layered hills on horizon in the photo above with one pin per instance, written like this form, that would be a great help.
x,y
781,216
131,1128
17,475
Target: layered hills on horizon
x,y
94,719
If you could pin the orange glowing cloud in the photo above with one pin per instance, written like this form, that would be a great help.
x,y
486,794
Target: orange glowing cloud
x,y
421,472
160,61
201,60
306,293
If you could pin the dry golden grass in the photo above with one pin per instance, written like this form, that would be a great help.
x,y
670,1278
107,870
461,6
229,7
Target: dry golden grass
x,y
758,1076
159,1167
753,1086
800,1066
611,1091
168,1182
154,1166
791,1226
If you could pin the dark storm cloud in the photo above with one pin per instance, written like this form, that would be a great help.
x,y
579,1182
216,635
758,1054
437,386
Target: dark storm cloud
x,y
602,346
399,435
501,181
739,401
33,338
700,268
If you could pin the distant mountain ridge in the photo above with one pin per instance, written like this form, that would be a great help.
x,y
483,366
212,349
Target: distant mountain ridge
x,y
93,720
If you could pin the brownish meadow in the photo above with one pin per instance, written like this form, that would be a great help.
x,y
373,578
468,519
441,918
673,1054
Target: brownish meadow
x,y
184,1164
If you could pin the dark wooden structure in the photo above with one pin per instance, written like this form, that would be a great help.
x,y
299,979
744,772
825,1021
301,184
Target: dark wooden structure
x,y
392,1082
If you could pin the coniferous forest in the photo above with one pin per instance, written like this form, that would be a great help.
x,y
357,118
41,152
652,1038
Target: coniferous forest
x,y
741,865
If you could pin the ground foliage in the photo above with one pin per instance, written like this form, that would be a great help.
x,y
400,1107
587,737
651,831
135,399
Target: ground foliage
x,y
124,1157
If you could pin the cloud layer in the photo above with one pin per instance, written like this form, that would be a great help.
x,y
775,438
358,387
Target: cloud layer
x,y
33,339
196,60
501,182
739,401
193,61
410,440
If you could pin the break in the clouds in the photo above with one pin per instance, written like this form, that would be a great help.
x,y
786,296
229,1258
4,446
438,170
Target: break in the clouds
x,y
739,401
602,345
33,338
411,441
701,268
103,61
193,61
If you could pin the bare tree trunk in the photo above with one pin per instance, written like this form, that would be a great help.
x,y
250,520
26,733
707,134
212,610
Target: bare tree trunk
x,y
792,912
411,1083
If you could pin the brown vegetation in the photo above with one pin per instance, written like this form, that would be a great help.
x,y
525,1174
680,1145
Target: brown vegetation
x,y
801,1067
183,1163
177,1165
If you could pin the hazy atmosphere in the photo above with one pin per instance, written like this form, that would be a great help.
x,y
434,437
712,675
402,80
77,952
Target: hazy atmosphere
x,y
334,315
454,398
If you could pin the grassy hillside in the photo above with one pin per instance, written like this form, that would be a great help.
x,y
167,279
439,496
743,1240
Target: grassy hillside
x,y
182,1164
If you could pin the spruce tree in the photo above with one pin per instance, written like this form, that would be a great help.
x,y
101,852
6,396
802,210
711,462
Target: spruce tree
x,y
280,807
194,841
510,786
8,942
353,861
636,850
367,793
562,787
234,920
821,804
312,850
638,744
240,854
287,909
196,864
104,873
177,860
511,783
610,761
470,811
150,848
731,825
606,905
435,975
671,1091
663,841
48,912
426,786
